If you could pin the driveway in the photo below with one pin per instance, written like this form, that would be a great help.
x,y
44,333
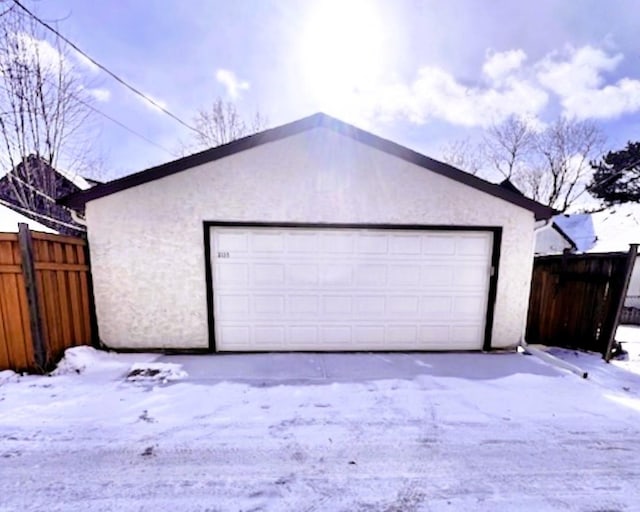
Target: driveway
x,y
335,432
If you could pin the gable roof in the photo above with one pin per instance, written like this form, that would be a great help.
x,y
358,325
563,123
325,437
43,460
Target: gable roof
x,y
274,134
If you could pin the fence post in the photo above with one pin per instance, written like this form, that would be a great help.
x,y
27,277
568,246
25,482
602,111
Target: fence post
x,y
631,259
28,271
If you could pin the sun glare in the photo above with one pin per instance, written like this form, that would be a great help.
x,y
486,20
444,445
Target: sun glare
x,y
342,50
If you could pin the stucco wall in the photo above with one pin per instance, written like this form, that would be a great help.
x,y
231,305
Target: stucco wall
x,y
147,244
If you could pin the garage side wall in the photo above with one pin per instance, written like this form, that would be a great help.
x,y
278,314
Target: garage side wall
x,y
147,244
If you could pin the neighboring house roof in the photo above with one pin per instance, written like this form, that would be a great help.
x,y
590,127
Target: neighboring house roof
x,y
610,230
564,235
78,199
9,220
32,189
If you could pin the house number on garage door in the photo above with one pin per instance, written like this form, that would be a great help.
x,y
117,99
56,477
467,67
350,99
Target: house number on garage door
x,y
223,254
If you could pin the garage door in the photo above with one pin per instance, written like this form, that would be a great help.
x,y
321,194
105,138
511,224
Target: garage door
x,y
323,289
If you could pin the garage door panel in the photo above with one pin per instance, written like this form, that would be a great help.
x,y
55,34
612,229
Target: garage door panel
x,y
267,242
473,246
402,334
468,306
438,307
336,275
471,275
369,306
337,243
232,274
349,289
303,335
336,305
434,333
370,275
268,274
437,276
269,335
369,334
404,276
302,244
233,306
434,245
403,306
372,245
303,305
302,274
271,305
336,334
466,333
408,245
236,241
236,336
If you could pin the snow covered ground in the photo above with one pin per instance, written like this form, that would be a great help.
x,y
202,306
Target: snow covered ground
x,y
311,432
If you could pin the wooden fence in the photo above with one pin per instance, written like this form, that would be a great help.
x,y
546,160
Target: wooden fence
x,y
576,300
46,301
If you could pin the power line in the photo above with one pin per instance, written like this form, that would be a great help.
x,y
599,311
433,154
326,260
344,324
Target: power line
x,y
106,70
124,126
108,117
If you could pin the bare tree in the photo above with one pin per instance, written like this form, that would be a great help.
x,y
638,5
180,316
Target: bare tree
x,y
508,145
43,112
551,165
464,155
565,150
220,123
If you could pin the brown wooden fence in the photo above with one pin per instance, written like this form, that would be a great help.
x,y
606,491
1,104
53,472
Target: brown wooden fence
x,y
576,300
45,298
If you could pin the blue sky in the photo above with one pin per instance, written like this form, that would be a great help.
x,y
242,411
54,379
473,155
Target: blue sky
x,y
421,73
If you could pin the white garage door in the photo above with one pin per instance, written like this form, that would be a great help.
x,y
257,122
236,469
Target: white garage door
x,y
349,289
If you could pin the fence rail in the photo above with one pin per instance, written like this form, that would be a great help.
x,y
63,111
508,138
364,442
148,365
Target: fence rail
x,y
45,298
576,300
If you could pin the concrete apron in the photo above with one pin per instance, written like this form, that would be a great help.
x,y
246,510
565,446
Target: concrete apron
x,y
322,368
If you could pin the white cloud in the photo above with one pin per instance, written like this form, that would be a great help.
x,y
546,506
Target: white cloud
x,y
231,82
436,95
50,57
578,69
32,48
501,64
100,94
578,79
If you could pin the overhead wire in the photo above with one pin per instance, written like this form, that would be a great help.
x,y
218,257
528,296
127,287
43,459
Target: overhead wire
x,y
107,70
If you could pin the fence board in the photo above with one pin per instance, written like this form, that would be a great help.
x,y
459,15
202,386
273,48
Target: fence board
x,y
575,300
63,296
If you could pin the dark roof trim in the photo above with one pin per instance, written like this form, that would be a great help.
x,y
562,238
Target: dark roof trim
x,y
294,128
564,235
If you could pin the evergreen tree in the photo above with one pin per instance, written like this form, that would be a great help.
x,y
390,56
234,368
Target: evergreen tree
x,y
617,176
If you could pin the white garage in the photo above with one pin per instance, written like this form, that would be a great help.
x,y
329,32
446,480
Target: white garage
x,y
314,235
328,288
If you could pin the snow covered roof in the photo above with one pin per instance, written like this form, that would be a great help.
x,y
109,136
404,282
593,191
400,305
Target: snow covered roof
x,y
610,230
9,220
75,178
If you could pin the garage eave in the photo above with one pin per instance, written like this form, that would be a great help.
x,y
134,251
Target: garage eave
x,y
79,199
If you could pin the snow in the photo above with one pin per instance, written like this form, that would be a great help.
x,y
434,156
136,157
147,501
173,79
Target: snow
x,y
336,432
9,220
610,230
